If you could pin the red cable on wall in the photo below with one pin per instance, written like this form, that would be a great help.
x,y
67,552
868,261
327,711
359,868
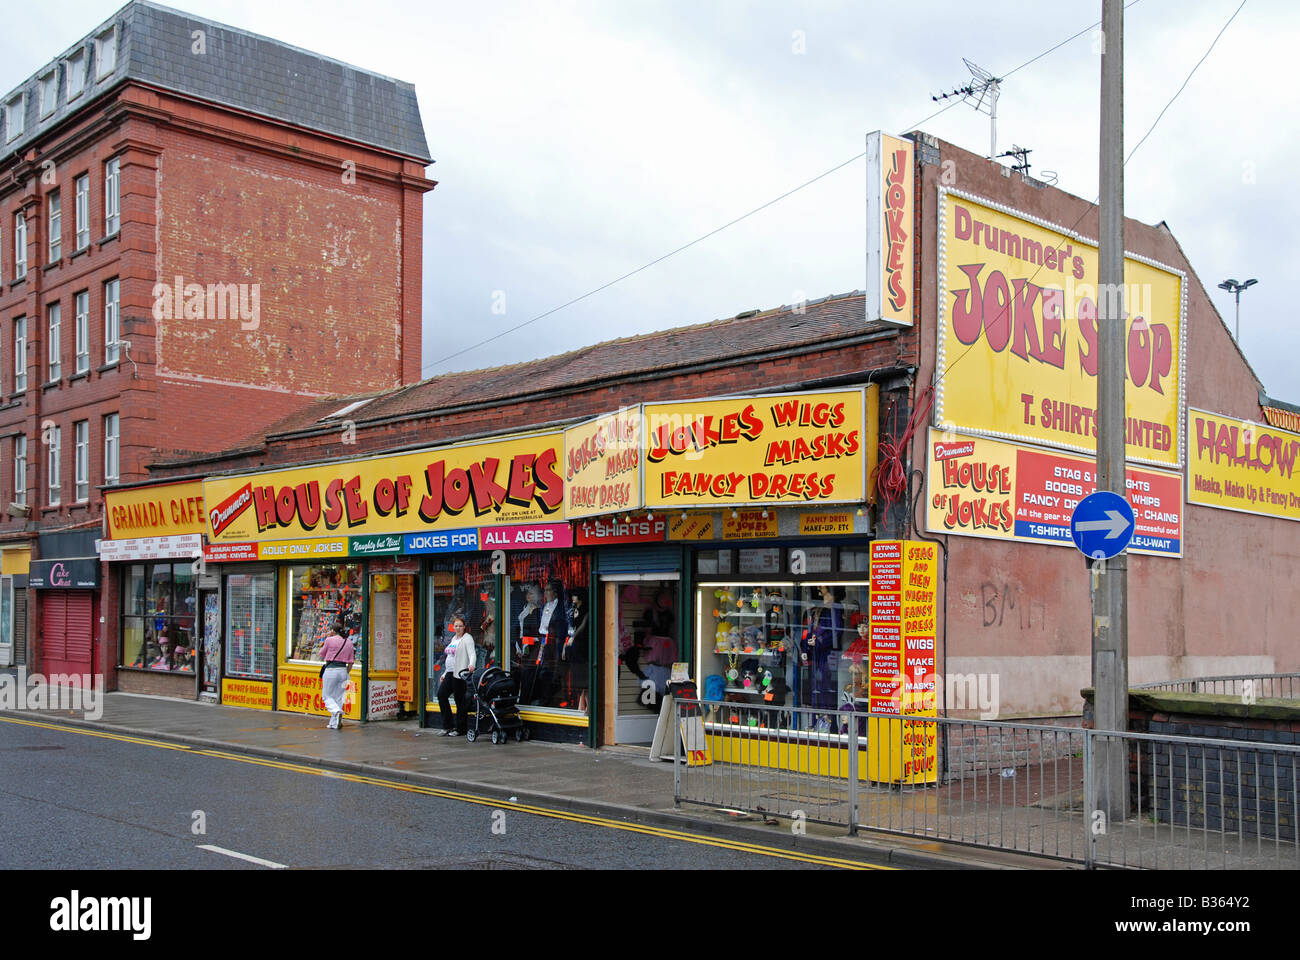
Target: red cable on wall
x,y
891,472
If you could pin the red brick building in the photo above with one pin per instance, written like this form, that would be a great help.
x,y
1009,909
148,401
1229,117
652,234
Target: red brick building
x,y
197,225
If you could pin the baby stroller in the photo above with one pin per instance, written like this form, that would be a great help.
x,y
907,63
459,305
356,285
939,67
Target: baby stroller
x,y
495,697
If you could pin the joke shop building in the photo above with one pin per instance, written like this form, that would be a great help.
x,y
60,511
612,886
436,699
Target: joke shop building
x,y
786,500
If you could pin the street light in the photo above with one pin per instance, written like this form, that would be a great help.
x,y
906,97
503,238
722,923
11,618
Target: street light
x,y
1232,286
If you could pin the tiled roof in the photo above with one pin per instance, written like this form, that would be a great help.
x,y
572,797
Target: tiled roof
x,y
749,334
155,45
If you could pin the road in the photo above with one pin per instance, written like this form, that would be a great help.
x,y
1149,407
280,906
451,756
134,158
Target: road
x,y
85,800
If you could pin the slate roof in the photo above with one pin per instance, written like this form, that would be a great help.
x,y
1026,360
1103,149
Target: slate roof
x,y
749,334
237,69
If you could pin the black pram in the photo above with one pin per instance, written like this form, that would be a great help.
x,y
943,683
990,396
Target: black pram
x,y
494,695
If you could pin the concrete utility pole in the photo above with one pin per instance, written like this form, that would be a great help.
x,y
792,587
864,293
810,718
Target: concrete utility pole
x,y
1110,596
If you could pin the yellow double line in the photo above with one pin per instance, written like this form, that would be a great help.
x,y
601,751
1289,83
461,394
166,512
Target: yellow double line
x,y
665,833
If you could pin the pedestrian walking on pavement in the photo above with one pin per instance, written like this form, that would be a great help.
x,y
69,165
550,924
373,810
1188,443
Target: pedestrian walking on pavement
x,y
458,663
338,653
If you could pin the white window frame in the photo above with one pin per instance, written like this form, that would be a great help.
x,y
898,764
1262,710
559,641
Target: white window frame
x,y
112,325
54,316
112,447
20,469
76,68
20,245
15,109
54,218
49,88
81,307
112,196
81,461
55,453
20,354
82,212
106,41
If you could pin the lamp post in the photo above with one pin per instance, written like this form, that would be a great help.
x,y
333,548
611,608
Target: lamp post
x,y
1232,286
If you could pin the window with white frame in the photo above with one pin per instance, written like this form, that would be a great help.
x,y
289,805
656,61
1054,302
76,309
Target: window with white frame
x,y
49,85
82,302
54,436
14,117
110,322
76,74
112,179
105,53
83,211
111,474
54,207
20,469
56,342
20,355
20,245
81,462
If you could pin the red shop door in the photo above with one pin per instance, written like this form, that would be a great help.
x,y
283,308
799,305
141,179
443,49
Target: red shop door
x,y
66,637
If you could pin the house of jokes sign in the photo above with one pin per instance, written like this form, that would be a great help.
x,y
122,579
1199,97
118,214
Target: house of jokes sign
x,y
514,480
1018,334
1005,491
806,448
1238,465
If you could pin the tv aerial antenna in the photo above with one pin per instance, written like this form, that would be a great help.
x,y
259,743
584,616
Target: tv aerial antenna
x,y
1021,156
982,94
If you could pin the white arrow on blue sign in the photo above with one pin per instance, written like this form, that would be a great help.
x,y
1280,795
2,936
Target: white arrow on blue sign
x,y
1102,525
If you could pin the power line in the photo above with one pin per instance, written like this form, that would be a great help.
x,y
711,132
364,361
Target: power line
x,y
1094,203
731,223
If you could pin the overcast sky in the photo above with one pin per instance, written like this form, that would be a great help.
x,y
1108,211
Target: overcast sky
x,y
576,141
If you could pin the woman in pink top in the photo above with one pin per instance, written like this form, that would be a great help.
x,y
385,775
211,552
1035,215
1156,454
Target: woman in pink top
x,y
338,654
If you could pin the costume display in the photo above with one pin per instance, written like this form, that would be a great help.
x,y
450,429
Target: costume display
x,y
821,625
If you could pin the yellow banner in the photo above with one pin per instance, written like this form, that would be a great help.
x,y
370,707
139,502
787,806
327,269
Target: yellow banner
x,y
825,524
507,481
793,448
161,510
254,694
691,527
602,465
891,241
1017,348
749,525
1240,465
303,549
298,688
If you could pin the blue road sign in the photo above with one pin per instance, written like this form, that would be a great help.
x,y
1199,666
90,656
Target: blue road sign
x,y
1102,525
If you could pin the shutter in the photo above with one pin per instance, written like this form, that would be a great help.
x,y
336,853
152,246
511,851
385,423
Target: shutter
x,y
20,626
77,627
54,609
640,558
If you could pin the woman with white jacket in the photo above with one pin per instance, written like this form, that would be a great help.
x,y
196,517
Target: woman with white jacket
x,y
458,664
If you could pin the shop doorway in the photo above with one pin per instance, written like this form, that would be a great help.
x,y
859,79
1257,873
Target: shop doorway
x,y
210,645
640,642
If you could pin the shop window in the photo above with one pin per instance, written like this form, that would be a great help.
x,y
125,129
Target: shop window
x,y
760,560
854,561
383,622
782,644
250,625
713,561
320,594
552,668
158,605
812,559
461,588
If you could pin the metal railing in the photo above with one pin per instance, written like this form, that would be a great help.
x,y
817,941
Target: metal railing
x,y
1192,803
1282,686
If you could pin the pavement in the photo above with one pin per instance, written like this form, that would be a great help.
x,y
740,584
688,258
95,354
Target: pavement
x,y
615,783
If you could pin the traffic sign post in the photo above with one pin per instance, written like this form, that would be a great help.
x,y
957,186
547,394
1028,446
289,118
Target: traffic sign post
x,y
1102,525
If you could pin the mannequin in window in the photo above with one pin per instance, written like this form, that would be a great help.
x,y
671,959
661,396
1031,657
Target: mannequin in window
x,y
526,650
821,625
553,630
573,656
